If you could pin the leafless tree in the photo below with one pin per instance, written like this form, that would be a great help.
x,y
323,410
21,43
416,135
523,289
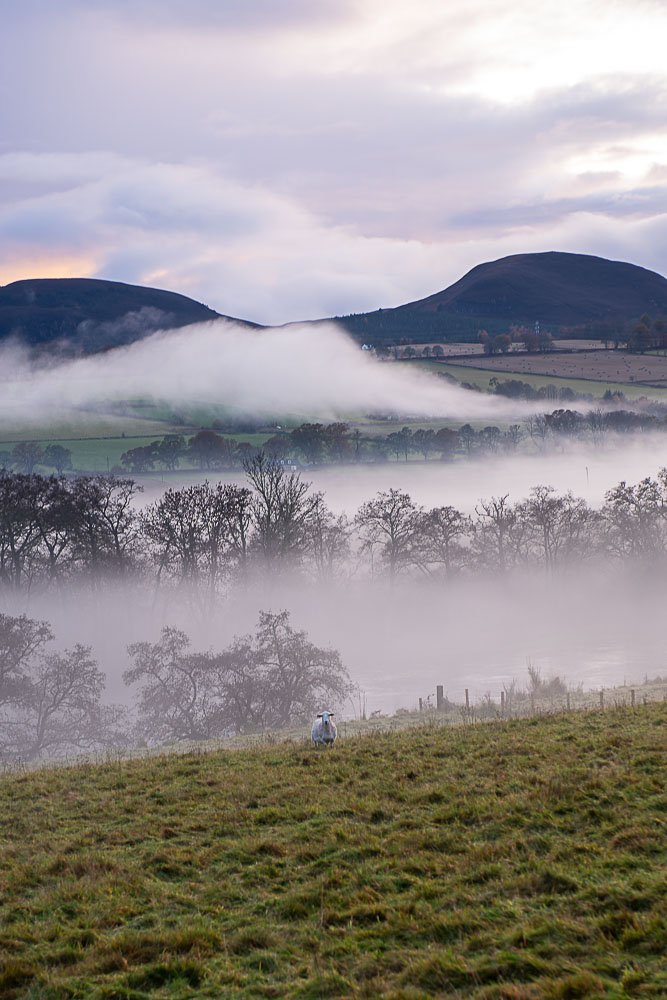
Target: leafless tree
x,y
283,508
390,524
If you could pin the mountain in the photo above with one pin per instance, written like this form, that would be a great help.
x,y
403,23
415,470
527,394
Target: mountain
x,y
557,289
585,295
89,314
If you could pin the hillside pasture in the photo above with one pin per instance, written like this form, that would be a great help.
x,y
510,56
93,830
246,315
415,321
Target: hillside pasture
x,y
507,860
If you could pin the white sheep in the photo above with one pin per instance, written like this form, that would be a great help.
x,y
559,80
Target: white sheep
x,y
324,730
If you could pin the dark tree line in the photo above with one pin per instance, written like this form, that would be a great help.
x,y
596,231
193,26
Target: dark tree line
x,y
209,538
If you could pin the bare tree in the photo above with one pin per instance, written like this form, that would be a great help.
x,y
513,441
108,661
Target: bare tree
x,y
20,639
50,703
175,699
107,524
283,508
636,519
441,533
270,679
328,539
497,534
390,523
561,527
199,534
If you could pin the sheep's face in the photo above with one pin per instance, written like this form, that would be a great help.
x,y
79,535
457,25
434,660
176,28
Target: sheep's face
x,y
326,719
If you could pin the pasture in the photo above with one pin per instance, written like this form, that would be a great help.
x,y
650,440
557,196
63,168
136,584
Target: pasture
x,y
634,374
516,859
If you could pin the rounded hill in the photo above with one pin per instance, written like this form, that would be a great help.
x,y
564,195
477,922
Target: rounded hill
x,y
90,314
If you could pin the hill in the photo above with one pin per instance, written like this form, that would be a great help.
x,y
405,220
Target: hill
x,y
557,289
505,860
89,314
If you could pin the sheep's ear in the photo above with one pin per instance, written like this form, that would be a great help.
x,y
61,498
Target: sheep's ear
x,y
319,715
332,713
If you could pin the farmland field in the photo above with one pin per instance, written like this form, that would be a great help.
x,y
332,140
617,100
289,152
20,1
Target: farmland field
x,y
472,371
504,860
600,366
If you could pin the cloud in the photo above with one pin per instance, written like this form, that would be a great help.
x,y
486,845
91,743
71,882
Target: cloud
x,y
298,371
284,167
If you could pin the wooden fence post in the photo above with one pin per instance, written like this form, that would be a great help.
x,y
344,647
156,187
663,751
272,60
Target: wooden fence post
x,y
439,697
502,704
421,706
568,701
632,697
601,697
467,701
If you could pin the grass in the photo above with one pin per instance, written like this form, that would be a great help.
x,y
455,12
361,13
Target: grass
x,y
507,860
481,376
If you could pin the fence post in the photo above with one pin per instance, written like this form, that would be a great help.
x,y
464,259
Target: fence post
x,y
421,706
502,704
601,697
467,701
632,697
568,701
439,697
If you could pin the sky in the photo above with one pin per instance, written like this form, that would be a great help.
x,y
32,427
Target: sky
x,y
283,159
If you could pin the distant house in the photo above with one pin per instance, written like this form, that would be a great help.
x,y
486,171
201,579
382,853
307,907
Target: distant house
x,y
291,464
367,347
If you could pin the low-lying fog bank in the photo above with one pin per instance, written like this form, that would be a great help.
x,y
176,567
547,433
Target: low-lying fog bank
x,y
587,471
399,643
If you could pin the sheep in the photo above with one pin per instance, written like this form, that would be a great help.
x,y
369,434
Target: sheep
x,y
324,730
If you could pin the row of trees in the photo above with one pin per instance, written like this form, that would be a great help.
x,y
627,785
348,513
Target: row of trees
x,y
209,537
51,702
316,443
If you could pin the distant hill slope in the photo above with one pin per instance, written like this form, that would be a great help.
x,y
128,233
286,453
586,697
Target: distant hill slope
x,y
558,289
89,314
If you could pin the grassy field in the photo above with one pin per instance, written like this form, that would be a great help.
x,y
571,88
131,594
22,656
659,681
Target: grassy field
x,y
480,377
514,860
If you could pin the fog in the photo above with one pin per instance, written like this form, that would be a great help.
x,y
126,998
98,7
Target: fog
x,y
590,626
314,372
399,643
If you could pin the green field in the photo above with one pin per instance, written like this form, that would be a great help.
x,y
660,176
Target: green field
x,y
481,376
514,860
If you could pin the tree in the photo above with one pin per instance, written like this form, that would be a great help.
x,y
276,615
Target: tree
x,y
20,639
27,454
441,531
19,527
641,339
497,534
176,700
424,440
560,526
390,524
50,702
502,342
310,440
59,457
276,447
636,519
209,450
467,437
140,459
170,450
268,679
337,441
445,442
106,526
282,509
328,539
199,534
